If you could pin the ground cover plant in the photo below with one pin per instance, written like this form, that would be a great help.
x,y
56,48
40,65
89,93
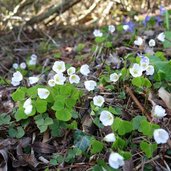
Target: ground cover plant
x,y
108,108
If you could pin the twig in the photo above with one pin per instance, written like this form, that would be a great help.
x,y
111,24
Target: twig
x,y
129,91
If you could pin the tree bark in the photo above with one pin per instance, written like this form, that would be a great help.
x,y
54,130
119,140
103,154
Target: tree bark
x,y
58,9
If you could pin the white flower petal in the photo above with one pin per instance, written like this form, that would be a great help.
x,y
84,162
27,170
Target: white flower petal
x,y
150,70
110,137
90,85
152,43
28,109
106,118
114,77
27,103
111,28
116,160
161,136
74,79
43,93
136,70
23,65
59,79
59,66
158,111
17,76
138,41
161,37
33,80
85,69
15,65
98,100
51,83
97,33
71,70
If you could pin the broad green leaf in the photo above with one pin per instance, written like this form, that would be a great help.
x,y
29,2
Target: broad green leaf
x,y
4,119
147,148
136,122
20,114
137,81
63,115
18,95
20,132
41,105
96,146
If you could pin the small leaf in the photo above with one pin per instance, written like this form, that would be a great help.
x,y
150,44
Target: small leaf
x,y
18,95
96,146
41,105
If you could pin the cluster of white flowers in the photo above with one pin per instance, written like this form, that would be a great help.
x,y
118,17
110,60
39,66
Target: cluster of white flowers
x,y
33,60
28,106
17,78
137,69
21,65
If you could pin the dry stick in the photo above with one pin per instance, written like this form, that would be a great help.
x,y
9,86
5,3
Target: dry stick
x,y
129,91
58,9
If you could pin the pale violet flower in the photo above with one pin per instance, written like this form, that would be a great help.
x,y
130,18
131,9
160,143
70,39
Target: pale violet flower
x,y
126,27
158,111
152,43
111,28
114,77
15,65
161,136
106,118
98,100
138,41
110,137
27,106
59,66
144,62
33,80
97,33
43,93
150,70
59,78
51,83
27,103
115,160
28,109
90,85
71,70
136,70
85,69
17,78
33,57
23,65
74,79
161,37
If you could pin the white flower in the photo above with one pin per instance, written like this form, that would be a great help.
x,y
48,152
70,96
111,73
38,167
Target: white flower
x,y
85,69
18,76
136,70
161,136
28,109
27,106
71,70
106,118
138,41
97,33
144,62
158,112
33,80
51,83
110,137
32,62
15,65
59,79
74,79
33,57
111,28
126,27
98,100
152,43
43,93
150,70
23,65
90,85
161,37
116,160
59,66
27,103
114,77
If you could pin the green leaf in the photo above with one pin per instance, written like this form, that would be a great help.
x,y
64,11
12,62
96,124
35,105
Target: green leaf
x,y
58,105
41,105
48,121
4,119
18,95
20,114
147,148
20,132
119,144
96,146
167,19
136,122
123,127
63,115
137,81
32,92
127,155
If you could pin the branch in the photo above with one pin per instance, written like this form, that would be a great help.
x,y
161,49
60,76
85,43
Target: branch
x,y
58,9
